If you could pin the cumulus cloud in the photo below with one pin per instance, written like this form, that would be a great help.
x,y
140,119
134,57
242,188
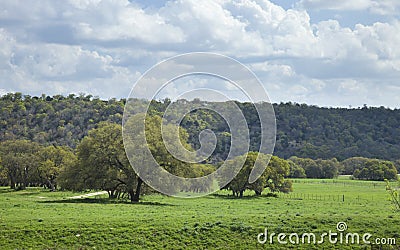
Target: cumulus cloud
x,y
104,46
122,20
382,7
337,5
56,68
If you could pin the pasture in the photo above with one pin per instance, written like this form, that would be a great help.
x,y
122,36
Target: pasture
x,y
39,219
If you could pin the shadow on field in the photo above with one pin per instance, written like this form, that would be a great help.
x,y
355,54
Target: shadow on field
x,y
19,192
27,193
105,201
6,190
244,197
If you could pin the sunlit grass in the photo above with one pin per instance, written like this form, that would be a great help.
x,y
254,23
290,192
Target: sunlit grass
x,y
39,219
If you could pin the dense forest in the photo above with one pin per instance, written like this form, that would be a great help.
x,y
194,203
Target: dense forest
x,y
76,143
302,130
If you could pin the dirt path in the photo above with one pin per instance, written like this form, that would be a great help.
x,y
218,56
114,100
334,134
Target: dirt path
x,y
87,195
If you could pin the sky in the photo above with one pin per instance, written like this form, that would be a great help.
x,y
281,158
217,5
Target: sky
x,y
328,53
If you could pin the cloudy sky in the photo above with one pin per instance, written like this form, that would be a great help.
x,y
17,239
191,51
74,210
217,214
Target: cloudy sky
x,y
323,52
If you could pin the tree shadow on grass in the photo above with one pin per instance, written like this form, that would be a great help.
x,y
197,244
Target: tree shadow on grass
x,y
19,192
105,201
6,190
26,193
244,197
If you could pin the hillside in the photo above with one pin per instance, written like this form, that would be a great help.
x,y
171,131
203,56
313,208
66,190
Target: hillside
x,y
302,130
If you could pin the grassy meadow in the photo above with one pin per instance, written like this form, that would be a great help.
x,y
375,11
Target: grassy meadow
x,y
38,219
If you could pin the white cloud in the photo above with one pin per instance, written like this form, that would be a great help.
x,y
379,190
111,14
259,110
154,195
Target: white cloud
x,y
101,46
338,4
381,40
55,68
277,70
3,92
349,85
121,20
382,7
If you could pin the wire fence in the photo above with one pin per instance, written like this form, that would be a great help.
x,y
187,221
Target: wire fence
x,y
332,197
373,184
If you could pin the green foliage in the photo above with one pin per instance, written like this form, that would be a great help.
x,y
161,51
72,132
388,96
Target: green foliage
x,y
155,140
54,120
394,194
397,165
377,170
313,132
296,171
278,169
102,164
26,163
302,130
308,131
272,178
52,160
20,161
3,175
348,166
322,169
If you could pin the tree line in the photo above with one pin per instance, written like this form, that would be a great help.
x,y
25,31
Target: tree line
x,y
357,167
302,130
75,143
100,163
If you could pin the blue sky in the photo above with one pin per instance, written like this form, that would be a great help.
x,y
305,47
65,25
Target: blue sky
x,y
327,53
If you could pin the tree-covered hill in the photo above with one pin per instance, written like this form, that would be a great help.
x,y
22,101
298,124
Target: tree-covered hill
x,y
54,120
310,131
302,130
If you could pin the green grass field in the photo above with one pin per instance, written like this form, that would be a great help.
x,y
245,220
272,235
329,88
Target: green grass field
x,y
39,219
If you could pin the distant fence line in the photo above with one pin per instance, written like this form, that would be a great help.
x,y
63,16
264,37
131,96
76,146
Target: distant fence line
x,y
343,183
327,197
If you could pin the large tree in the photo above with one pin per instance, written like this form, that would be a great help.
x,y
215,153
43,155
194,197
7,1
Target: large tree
x,y
3,175
349,165
328,168
296,171
157,133
51,160
275,180
19,160
312,170
377,170
102,164
273,177
322,169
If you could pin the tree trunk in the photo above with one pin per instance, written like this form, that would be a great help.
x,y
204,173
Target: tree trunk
x,y
131,195
12,184
24,183
51,186
111,194
137,193
257,192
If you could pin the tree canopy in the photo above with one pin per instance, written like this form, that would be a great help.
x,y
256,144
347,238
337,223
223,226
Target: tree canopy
x,y
273,178
302,130
76,143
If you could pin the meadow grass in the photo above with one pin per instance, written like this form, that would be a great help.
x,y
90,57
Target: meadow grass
x,y
39,219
